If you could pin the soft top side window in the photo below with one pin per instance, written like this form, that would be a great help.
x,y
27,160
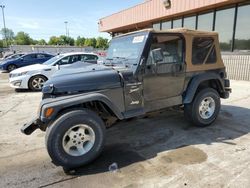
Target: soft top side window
x,y
171,47
203,51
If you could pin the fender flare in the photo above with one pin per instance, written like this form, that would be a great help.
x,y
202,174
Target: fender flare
x,y
66,102
195,82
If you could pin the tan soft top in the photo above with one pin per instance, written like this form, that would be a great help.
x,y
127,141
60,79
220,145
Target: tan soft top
x,y
183,31
189,34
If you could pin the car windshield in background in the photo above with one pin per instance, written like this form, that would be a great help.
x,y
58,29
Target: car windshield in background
x,y
126,47
14,56
53,59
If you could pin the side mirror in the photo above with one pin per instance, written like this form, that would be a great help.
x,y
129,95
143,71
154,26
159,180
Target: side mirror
x,y
21,58
57,67
157,55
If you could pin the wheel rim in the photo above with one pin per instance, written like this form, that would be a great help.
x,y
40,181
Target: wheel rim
x,y
207,108
11,68
78,140
37,83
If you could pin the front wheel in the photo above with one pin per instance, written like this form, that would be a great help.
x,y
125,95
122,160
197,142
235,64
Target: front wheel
x,y
36,82
204,108
11,67
75,139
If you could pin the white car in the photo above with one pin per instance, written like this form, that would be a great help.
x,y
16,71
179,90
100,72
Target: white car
x,y
34,76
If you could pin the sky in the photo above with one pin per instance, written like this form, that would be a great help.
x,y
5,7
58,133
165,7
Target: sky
x,y
44,18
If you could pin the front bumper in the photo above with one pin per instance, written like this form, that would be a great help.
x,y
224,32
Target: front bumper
x,y
2,68
19,82
30,127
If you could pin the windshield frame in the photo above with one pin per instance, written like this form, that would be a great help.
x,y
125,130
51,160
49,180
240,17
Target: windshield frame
x,y
125,60
54,60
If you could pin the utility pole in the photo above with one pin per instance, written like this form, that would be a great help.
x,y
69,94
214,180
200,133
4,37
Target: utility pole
x,y
66,28
2,7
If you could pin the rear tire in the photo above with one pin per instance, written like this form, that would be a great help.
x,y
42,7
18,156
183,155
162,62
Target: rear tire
x,y
75,139
36,82
204,108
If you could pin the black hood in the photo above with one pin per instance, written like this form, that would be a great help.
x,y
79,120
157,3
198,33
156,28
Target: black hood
x,y
83,79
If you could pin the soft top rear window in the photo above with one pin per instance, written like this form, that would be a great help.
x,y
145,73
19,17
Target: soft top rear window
x,y
203,51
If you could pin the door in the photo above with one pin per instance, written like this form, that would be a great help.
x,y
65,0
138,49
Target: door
x,y
29,60
164,79
41,58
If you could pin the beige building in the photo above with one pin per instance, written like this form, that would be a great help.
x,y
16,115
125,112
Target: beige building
x,y
231,18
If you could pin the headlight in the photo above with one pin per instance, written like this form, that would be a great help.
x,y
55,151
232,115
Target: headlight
x,y
18,74
22,73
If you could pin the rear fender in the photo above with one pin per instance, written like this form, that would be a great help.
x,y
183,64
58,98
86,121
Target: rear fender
x,y
196,81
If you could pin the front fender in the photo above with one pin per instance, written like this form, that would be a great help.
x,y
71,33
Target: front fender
x,y
67,101
195,82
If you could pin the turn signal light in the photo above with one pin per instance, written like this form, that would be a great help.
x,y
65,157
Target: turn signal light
x,y
49,112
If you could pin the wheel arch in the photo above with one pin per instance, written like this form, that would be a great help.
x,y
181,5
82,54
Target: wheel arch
x,y
34,76
98,103
38,75
202,81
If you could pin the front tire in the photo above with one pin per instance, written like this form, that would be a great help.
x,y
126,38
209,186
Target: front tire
x,y
36,82
11,67
75,138
204,108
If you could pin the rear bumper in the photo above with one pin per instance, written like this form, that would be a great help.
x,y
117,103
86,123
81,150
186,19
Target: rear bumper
x,y
227,89
30,127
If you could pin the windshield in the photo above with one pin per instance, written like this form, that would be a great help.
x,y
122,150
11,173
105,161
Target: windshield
x,y
53,60
14,56
126,47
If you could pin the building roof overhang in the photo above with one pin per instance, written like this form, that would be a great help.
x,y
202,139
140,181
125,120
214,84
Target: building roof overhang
x,y
144,14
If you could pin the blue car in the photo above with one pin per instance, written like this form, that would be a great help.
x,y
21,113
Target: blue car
x,y
25,60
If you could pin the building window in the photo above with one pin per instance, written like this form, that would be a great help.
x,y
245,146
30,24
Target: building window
x,y
242,34
205,22
203,50
224,26
157,26
166,25
189,22
177,23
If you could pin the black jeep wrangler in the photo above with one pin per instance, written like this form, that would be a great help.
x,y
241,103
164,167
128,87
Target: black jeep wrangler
x,y
144,71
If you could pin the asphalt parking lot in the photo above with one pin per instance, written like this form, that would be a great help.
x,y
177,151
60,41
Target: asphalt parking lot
x,y
162,150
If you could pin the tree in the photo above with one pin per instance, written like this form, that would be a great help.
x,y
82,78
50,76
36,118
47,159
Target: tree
x,y
80,41
53,40
23,38
64,40
1,43
90,42
9,35
101,43
42,42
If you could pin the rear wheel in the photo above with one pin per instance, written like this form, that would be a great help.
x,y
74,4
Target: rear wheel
x,y
204,108
11,67
75,139
36,82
